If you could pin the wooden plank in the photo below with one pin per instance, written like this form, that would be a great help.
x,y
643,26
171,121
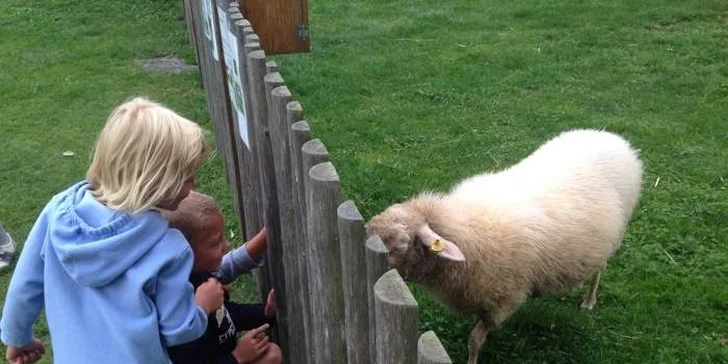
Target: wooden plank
x,y
245,143
222,117
281,24
279,127
299,134
258,112
297,342
376,265
272,216
430,350
352,240
324,195
313,152
396,320
189,6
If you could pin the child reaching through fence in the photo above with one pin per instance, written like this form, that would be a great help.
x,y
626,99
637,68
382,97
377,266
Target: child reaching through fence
x,y
199,218
103,263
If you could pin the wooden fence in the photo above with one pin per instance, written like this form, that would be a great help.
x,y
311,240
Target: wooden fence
x,y
337,303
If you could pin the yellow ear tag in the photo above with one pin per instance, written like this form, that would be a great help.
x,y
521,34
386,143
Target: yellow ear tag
x,y
437,246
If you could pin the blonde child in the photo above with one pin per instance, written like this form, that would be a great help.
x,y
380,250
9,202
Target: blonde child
x,y
199,218
102,262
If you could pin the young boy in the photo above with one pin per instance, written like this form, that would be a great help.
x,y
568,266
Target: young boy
x,y
200,220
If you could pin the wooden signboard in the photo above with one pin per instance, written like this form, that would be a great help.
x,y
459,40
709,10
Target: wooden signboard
x,y
281,24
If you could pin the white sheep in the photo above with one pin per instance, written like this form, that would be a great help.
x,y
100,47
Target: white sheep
x,y
544,225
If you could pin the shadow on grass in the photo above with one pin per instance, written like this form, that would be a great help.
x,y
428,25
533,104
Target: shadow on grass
x,y
541,331
544,330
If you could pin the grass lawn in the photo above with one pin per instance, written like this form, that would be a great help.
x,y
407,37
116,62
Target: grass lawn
x,y
418,94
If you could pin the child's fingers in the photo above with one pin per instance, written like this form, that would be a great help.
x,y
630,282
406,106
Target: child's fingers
x,y
260,329
214,281
261,345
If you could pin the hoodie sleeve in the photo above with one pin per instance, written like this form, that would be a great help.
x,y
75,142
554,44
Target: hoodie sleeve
x,y
236,263
25,296
180,319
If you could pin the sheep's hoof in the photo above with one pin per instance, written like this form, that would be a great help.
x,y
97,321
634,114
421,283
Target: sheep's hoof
x,y
588,306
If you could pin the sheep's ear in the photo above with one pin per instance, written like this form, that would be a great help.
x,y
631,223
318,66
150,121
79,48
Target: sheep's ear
x,y
439,245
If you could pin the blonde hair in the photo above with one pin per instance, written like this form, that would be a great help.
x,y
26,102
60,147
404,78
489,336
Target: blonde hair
x,y
189,217
144,155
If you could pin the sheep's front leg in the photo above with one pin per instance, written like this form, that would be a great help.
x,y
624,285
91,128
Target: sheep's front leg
x,y
477,338
590,298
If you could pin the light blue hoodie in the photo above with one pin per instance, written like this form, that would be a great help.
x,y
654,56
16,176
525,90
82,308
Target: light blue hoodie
x,y
115,286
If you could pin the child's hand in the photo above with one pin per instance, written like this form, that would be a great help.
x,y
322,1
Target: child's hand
x,y
270,305
30,353
210,295
252,345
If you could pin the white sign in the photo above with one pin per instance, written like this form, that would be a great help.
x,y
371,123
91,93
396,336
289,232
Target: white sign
x,y
234,83
209,28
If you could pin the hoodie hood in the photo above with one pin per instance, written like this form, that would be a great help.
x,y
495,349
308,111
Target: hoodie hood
x,y
96,244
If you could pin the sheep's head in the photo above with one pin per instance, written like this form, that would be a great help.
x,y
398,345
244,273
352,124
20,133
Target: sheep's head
x,y
410,241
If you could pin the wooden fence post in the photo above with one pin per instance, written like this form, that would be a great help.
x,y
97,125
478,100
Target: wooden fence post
x,y
259,112
220,108
324,195
271,204
244,132
190,14
430,350
299,133
291,243
376,264
255,71
313,152
396,320
352,240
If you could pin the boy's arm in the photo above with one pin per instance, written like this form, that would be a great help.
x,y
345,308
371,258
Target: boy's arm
x,y
25,295
238,262
181,320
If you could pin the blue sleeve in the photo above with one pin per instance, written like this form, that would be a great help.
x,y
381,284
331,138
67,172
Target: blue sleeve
x,y
236,263
25,295
180,319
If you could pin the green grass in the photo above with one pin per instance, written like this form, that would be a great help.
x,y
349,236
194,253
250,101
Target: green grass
x,y
418,94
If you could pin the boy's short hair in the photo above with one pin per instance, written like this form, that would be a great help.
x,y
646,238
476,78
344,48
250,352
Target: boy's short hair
x,y
144,155
189,215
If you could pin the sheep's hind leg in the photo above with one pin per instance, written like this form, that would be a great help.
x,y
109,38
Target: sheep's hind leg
x,y
477,338
590,298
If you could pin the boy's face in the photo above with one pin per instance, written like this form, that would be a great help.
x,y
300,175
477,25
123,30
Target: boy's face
x,y
211,244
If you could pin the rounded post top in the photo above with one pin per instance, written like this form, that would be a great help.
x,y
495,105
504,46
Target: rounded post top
x,y
324,172
260,54
348,210
430,347
300,126
375,244
390,288
252,47
281,91
314,146
273,77
294,106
